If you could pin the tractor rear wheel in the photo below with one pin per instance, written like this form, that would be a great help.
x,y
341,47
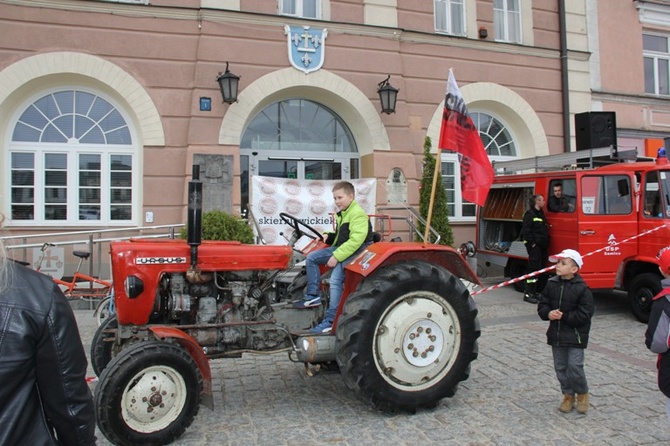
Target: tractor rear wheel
x,y
148,394
406,336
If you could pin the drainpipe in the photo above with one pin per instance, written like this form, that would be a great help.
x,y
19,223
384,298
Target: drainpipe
x,y
565,85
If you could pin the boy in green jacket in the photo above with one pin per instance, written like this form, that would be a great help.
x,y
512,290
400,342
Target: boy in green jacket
x,y
353,232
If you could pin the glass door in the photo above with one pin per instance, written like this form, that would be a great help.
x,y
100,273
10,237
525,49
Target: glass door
x,y
283,166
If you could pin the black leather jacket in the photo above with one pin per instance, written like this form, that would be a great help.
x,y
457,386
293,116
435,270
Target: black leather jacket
x,y
44,397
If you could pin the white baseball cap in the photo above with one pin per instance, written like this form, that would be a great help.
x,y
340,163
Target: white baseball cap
x,y
568,254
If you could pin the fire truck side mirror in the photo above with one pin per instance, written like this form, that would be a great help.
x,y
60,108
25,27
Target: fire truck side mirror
x,y
622,186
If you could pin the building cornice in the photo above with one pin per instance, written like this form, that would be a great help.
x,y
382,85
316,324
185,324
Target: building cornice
x,y
644,100
653,12
228,16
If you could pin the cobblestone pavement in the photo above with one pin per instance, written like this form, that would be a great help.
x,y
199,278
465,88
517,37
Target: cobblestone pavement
x,y
511,397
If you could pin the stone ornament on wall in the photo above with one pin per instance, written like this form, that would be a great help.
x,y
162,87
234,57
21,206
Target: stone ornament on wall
x,y
396,186
217,181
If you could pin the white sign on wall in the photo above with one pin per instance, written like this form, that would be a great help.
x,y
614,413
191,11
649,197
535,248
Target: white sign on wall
x,y
311,201
50,262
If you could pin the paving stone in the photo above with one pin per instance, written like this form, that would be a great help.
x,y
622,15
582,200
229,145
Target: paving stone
x,y
511,397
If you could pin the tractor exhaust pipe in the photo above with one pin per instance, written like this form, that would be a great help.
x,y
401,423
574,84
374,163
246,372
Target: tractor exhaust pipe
x,y
194,222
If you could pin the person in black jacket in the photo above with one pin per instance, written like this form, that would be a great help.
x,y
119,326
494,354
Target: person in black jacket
x,y
657,337
44,397
567,303
535,236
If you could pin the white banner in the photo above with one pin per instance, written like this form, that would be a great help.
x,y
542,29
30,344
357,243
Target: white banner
x,y
311,201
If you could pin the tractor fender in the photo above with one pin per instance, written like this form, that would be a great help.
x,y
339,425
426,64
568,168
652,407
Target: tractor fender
x,y
386,253
193,349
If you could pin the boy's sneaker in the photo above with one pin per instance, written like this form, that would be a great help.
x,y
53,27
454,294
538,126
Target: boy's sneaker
x,y
324,327
308,302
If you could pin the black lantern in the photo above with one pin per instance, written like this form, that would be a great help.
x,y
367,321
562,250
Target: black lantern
x,y
387,96
228,82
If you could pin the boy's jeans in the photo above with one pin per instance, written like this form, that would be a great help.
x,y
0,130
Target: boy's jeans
x,y
320,257
569,365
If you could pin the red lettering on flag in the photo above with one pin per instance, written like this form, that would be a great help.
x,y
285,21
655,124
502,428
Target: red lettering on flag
x,y
458,133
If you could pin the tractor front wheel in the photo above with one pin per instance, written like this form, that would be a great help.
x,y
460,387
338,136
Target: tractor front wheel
x,y
407,336
148,394
102,343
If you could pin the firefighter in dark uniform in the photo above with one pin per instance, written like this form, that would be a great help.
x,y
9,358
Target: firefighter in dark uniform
x,y
535,236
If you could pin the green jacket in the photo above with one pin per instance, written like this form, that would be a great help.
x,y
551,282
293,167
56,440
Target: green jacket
x,y
352,230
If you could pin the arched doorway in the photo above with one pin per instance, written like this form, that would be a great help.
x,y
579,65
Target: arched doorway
x,y
297,138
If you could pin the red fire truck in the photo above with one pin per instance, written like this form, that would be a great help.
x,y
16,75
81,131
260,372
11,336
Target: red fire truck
x,y
616,214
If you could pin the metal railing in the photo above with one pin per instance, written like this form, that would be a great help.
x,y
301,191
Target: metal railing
x,y
95,240
412,218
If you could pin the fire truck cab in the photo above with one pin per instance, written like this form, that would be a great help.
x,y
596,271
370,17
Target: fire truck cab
x,y
616,215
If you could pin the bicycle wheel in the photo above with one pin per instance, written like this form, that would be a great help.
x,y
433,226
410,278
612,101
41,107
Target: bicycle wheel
x,y
104,309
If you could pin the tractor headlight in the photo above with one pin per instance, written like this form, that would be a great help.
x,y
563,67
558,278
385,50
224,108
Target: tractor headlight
x,y
134,286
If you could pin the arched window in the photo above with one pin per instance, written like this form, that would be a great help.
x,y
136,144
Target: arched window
x,y
499,144
298,124
495,136
72,161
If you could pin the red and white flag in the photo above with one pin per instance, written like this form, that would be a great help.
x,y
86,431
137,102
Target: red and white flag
x,y
458,133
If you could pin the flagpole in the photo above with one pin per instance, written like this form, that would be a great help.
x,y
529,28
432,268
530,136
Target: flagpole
x,y
438,162
432,195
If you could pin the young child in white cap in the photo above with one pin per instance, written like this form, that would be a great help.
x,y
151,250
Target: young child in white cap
x,y
567,303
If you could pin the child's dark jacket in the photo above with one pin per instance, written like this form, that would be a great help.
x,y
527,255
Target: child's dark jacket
x,y
575,300
657,337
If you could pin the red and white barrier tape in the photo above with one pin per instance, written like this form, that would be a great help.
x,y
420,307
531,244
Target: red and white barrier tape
x,y
549,268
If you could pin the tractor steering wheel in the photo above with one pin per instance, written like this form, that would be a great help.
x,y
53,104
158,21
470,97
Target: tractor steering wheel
x,y
296,224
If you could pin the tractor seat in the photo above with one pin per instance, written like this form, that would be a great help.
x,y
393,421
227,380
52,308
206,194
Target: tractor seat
x,y
82,254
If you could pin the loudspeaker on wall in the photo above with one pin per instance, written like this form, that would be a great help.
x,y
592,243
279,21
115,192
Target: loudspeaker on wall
x,y
595,129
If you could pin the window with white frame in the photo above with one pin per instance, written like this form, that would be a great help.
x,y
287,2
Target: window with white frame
x,y
450,17
656,63
507,20
309,9
71,161
500,146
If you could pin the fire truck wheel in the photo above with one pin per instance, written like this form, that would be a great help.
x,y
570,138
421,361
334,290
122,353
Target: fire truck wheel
x,y
101,349
641,292
518,268
406,337
149,394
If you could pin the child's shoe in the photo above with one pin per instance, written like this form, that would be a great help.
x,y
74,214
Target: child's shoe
x,y
567,404
325,327
308,302
582,402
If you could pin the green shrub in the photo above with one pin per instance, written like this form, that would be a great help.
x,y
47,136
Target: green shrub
x,y
440,216
217,225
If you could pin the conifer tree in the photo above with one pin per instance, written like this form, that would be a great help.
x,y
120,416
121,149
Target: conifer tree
x,y
440,216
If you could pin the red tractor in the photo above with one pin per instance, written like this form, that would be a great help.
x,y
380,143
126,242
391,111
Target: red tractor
x,y
405,334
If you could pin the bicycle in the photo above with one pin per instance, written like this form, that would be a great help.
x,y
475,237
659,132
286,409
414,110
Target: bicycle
x,y
73,289
105,309
96,290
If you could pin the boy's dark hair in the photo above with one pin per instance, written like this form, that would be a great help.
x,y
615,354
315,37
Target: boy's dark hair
x,y
346,186
557,184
